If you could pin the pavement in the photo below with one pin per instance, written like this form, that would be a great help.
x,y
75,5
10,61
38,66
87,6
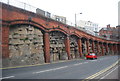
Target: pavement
x,y
74,69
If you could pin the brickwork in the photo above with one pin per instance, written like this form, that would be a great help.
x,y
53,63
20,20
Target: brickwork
x,y
109,32
46,47
67,47
5,39
80,47
43,31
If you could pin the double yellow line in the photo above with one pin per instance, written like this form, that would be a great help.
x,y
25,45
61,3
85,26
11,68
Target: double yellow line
x,y
101,72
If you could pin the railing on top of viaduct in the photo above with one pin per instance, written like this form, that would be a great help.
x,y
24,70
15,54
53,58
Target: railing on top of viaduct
x,y
31,8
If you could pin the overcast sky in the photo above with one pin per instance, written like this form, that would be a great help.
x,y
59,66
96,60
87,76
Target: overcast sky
x,y
102,12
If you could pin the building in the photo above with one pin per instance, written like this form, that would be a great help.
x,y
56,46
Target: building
x,y
119,13
49,15
109,32
88,25
43,13
118,27
59,18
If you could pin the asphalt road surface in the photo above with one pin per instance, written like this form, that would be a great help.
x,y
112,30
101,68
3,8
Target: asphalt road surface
x,y
74,69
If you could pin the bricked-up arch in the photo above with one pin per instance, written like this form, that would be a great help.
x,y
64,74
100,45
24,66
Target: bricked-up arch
x,y
74,49
57,46
105,48
96,50
84,46
110,49
90,45
100,48
25,45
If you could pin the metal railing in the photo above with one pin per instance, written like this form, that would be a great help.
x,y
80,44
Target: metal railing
x,y
31,8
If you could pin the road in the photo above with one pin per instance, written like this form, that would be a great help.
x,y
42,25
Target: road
x,y
74,69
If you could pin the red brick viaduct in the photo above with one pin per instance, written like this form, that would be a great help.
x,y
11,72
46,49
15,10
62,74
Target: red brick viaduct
x,y
12,16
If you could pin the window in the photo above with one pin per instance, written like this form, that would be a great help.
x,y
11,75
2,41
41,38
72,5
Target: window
x,y
57,19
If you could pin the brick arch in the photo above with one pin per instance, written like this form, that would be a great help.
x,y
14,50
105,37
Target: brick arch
x,y
60,30
91,39
27,22
104,42
84,37
74,34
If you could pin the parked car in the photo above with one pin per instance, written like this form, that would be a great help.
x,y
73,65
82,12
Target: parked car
x,y
91,56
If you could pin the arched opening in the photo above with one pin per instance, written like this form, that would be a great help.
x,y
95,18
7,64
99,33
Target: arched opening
x,y
109,49
100,48
74,52
96,47
105,48
84,46
57,46
25,45
90,45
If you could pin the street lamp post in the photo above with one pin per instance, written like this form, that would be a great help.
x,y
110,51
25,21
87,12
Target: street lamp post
x,y
76,20
8,2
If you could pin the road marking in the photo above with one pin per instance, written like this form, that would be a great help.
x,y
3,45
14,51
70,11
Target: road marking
x,y
85,62
93,60
102,71
36,64
24,66
109,73
50,70
78,64
7,77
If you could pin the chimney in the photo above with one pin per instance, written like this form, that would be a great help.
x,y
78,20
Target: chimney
x,y
108,26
